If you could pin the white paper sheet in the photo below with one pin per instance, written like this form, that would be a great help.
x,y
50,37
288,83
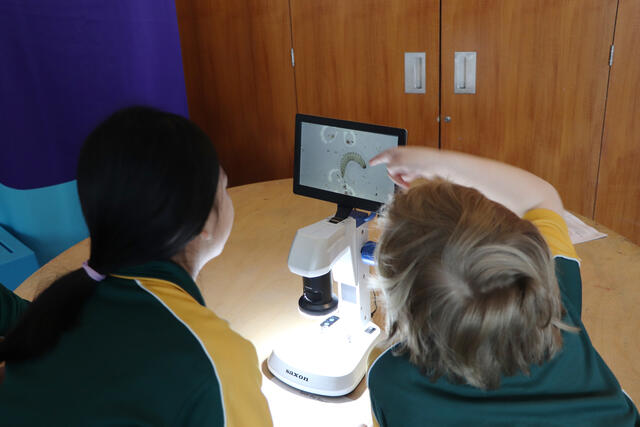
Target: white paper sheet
x,y
579,232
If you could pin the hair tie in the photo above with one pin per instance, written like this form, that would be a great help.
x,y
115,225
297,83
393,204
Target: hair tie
x,y
92,273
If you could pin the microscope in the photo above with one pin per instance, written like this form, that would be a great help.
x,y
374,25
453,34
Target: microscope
x,y
329,357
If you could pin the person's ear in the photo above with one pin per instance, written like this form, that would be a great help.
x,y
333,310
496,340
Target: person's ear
x,y
209,225
205,235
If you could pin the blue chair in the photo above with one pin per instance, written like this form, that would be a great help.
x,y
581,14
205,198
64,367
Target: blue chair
x,y
45,221
17,261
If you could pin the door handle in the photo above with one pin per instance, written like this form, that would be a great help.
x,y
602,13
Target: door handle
x,y
414,72
464,72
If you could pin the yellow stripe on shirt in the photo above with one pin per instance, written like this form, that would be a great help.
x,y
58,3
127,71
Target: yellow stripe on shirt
x,y
234,359
554,230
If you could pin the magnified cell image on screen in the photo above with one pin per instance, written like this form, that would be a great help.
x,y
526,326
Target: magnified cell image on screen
x,y
337,160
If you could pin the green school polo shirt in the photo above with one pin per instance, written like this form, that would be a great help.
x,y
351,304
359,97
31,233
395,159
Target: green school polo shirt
x,y
11,308
575,388
146,352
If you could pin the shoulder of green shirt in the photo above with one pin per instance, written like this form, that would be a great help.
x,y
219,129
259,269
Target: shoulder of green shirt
x,y
11,309
375,354
233,359
555,232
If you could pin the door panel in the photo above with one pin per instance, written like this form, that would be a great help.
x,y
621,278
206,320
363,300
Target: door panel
x,y
542,70
240,83
618,197
350,62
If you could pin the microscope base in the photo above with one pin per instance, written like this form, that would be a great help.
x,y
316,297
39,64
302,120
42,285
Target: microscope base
x,y
328,359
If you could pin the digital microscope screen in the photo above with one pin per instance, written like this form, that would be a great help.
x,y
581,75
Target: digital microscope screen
x,y
336,159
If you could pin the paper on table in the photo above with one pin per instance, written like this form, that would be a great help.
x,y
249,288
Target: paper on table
x,y
579,232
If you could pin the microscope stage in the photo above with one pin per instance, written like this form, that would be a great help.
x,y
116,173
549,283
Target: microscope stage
x,y
329,358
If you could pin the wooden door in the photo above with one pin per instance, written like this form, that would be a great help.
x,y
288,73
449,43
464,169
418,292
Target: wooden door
x,y
618,197
542,70
349,62
240,83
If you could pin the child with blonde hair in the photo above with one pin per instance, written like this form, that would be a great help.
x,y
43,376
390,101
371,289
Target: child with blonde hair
x,y
483,301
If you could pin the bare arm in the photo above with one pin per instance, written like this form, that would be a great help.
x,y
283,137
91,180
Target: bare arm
x,y
515,188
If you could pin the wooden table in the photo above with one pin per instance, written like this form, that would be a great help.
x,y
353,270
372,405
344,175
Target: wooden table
x,y
251,286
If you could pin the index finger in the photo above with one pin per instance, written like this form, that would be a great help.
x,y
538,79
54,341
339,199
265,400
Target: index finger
x,y
381,158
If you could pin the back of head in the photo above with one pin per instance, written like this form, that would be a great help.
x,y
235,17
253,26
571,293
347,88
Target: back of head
x,y
470,287
147,182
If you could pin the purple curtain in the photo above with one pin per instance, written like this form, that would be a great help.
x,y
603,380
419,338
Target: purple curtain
x,y
66,64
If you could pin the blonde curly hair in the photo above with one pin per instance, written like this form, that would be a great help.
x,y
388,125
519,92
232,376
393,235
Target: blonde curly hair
x,y
470,288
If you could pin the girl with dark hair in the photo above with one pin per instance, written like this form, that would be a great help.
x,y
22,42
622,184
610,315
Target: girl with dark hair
x,y
126,338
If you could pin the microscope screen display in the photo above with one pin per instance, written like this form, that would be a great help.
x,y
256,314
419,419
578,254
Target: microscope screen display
x,y
336,159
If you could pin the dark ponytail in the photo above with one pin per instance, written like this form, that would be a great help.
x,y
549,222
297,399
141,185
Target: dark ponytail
x,y
55,311
147,181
